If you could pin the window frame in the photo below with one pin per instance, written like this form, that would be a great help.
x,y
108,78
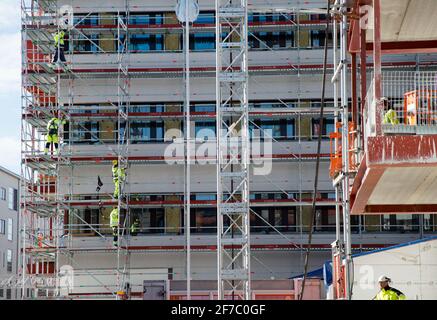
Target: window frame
x,y
10,229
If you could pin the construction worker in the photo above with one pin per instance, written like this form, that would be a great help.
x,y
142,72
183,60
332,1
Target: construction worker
x,y
52,133
113,222
390,117
135,227
118,175
387,292
59,40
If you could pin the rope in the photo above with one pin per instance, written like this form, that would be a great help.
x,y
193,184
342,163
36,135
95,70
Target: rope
x,y
319,143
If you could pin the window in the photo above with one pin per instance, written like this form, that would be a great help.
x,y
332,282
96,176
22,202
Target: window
x,y
400,223
82,44
91,219
203,108
2,226
85,132
205,130
428,222
10,229
146,42
147,108
9,260
206,17
151,220
328,127
325,219
205,220
146,18
318,38
274,40
280,129
202,41
265,40
147,131
13,199
2,194
88,20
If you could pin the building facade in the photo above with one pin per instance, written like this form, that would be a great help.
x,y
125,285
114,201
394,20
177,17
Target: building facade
x,y
9,237
122,95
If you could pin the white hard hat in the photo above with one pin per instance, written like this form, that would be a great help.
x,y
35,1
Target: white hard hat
x,y
383,279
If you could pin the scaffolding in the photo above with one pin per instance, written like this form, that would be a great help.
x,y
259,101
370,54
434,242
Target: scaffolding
x,y
233,150
49,196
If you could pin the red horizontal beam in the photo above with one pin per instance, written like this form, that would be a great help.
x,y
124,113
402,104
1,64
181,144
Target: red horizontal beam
x,y
400,208
179,26
291,246
162,158
212,69
212,203
156,114
403,47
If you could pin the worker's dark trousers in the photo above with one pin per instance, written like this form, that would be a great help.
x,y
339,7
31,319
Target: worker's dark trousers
x,y
59,55
115,234
48,145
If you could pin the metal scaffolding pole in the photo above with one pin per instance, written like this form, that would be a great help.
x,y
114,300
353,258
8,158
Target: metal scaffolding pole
x,y
343,247
233,154
123,141
187,194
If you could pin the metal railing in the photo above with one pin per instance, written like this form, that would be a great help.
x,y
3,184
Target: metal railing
x,y
409,100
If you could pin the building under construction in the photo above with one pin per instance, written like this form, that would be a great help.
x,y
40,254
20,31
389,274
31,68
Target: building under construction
x,y
310,82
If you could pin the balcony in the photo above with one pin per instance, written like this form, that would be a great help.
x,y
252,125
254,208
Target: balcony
x,y
398,169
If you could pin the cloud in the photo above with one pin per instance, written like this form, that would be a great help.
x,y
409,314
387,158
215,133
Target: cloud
x,y
10,47
10,63
10,153
10,12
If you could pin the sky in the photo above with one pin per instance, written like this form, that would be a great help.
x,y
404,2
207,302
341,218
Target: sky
x,y
10,84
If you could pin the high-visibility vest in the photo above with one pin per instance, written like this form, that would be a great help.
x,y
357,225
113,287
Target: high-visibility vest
x,y
135,227
117,173
391,117
113,218
53,125
59,38
390,294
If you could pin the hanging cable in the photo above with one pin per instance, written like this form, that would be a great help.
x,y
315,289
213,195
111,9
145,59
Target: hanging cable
x,y
319,144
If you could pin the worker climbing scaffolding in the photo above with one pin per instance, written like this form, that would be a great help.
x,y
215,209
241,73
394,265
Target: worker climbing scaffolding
x,y
118,176
114,224
59,41
52,134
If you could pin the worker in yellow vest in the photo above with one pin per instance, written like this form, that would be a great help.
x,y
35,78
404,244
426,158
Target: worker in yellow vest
x,y
52,133
118,175
387,292
390,117
59,41
113,222
135,227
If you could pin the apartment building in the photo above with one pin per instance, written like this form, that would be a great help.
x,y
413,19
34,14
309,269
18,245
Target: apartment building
x,y
9,186
122,94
